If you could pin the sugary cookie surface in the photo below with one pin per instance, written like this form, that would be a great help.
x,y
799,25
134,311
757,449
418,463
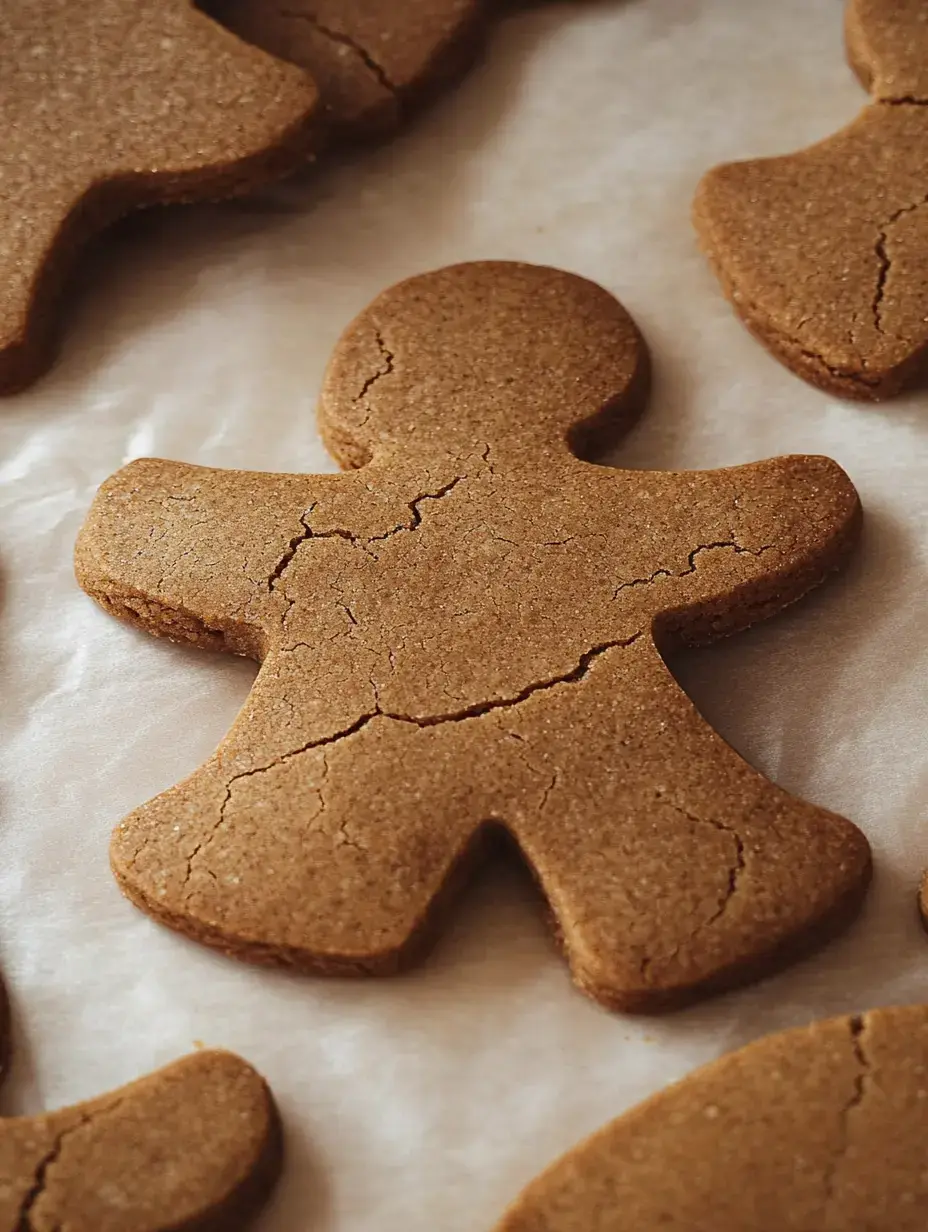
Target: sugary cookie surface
x,y
194,1145
463,634
109,105
821,1128
369,58
822,252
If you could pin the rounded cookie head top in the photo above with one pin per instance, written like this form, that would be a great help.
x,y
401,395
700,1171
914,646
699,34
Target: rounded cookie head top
x,y
887,42
511,356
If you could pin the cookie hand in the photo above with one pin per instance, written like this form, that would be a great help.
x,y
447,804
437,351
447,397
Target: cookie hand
x,y
173,109
214,541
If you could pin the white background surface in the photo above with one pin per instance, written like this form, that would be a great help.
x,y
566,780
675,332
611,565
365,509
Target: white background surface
x,y
425,1102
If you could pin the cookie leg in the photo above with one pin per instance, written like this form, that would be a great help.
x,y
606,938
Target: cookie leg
x,y
331,852
671,866
851,320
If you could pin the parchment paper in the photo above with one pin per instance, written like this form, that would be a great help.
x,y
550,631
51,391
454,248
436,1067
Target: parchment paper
x,y
425,1102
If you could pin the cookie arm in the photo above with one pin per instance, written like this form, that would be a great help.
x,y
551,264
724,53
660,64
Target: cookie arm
x,y
711,552
672,867
193,554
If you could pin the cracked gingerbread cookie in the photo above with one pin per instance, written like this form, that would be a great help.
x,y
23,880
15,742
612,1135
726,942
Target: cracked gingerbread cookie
x,y
463,635
822,252
108,106
195,1145
819,1128
371,59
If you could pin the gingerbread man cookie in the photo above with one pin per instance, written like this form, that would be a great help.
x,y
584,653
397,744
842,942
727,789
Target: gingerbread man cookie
x,y
195,1145
463,635
109,105
822,1128
371,59
822,252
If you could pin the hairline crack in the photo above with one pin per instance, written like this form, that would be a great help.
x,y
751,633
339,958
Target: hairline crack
x,y
885,261
50,1158
477,710
345,40
735,870
857,1027
691,563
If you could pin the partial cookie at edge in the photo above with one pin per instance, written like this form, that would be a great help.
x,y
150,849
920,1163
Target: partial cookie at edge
x,y
177,109
821,1127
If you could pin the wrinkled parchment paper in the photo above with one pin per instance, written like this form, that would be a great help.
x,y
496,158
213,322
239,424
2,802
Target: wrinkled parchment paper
x,y
425,1102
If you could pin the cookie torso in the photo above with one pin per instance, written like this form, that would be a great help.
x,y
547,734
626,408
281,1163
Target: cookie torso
x,y
474,601
369,58
821,252
819,1128
109,105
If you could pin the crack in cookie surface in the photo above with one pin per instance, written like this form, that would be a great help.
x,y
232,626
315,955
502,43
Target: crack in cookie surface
x,y
819,251
819,1127
464,635
194,1145
373,60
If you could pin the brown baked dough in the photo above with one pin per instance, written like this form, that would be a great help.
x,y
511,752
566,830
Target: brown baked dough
x,y
111,104
923,901
886,43
817,1130
371,59
464,635
194,1146
823,252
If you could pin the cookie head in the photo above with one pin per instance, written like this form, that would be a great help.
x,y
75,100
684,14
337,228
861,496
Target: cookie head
x,y
887,45
515,357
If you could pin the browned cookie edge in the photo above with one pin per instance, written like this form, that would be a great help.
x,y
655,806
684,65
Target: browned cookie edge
x,y
390,961
249,1198
26,360
923,901
761,966
859,386
856,47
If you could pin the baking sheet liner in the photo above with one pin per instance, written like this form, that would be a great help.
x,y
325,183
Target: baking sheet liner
x,y
426,1101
